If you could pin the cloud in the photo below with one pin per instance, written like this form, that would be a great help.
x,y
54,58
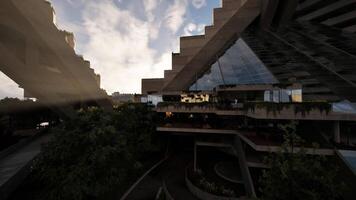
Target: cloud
x,y
199,3
193,29
126,41
118,45
118,39
150,6
175,15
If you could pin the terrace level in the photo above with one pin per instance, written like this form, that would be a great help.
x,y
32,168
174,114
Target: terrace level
x,y
262,110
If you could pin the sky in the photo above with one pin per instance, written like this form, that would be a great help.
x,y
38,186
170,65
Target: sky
x,y
126,40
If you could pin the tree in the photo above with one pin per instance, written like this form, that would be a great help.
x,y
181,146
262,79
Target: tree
x,y
296,175
87,159
137,122
97,155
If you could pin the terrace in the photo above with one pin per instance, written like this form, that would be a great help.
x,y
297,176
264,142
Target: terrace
x,y
261,110
262,143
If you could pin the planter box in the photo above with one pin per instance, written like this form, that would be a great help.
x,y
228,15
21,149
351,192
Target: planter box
x,y
205,195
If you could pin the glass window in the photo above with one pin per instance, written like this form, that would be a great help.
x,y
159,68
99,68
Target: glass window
x,y
285,94
276,96
267,96
239,65
297,95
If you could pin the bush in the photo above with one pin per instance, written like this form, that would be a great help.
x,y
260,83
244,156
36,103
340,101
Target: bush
x,y
298,175
209,186
94,154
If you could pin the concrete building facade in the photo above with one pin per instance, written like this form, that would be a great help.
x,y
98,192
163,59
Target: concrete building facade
x,y
263,64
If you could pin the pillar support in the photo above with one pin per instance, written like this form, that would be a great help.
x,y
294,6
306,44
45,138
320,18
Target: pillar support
x,y
195,156
245,172
337,138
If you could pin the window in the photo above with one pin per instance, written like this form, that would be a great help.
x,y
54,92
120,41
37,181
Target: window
x,y
283,95
297,95
239,65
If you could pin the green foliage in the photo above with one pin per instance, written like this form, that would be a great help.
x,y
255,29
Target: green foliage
x,y
198,178
298,175
95,154
270,107
189,106
303,108
137,122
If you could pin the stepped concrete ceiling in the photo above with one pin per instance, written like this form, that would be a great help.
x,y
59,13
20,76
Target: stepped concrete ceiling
x,y
197,52
320,34
317,48
41,58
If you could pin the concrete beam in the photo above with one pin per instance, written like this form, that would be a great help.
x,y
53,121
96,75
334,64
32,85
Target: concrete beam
x,y
245,172
269,8
351,29
151,85
337,138
326,9
340,18
197,130
307,4
218,41
287,12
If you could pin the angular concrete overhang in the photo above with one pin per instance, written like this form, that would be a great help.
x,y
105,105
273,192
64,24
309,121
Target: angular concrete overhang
x,y
150,86
40,58
217,39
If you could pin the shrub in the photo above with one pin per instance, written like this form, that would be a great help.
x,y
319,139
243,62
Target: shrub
x,y
298,175
94,154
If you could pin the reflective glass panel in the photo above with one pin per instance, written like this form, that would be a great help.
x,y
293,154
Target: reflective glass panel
x,y
239,65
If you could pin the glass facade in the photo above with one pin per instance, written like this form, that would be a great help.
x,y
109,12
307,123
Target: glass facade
x,y
239,65
283,95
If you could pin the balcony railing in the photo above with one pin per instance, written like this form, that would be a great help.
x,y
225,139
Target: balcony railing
x,y
263,110
275,108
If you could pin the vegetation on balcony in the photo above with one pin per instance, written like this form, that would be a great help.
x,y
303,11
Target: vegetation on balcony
x,y
275,108
270,107
199,180
178,105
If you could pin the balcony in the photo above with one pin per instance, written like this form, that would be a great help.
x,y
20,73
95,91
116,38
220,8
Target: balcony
x,y
261,110
201,128
273,144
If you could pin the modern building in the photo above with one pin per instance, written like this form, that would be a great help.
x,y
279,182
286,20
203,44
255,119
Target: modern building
x,y
262,64
119,98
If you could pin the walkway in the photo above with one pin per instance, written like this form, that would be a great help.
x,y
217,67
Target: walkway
x,y
15,167
172,172
349,158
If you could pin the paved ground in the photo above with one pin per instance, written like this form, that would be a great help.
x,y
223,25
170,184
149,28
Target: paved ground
x,y
349,157
12,164
172,172
229,171
175,178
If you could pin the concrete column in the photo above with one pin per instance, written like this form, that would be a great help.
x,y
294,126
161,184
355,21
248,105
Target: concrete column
x,y
337,132
195,157
269,8
245,172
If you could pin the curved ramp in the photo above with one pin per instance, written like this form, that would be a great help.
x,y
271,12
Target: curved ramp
x,y
16,166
